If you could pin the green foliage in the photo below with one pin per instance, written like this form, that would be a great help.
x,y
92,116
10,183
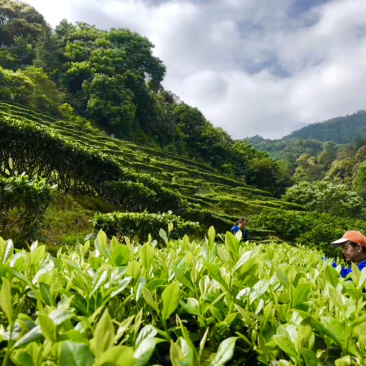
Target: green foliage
x,y
15,86
113,78
21,27
22,207
133,196
265,173
326,197
110,103
207,218
189,303
105,74
308,228
142,224
30,87
359,179
336,130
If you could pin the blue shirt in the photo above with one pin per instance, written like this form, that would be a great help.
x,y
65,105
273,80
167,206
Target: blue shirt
x,y
346,271
235,229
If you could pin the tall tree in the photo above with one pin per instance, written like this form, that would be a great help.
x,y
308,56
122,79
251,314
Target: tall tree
x,y
21,28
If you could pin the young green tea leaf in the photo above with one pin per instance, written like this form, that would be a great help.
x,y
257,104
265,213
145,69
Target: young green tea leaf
x,y
9,247
103,335
170,297
287,346
145,350
163,235
6,300
74,354
120,255
149,299
48,327
147,256
116,356
331,276
225,352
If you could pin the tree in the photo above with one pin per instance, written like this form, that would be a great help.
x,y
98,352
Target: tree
x,y
341,171
21,27
328,155
110,103
359,179
265,173
308,168
326,197
30,87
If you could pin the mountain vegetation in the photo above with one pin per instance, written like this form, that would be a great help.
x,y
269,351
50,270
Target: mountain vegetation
x,y
332,151
341,130
116,199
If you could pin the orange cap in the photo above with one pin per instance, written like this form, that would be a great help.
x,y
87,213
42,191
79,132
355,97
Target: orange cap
x,y
354,236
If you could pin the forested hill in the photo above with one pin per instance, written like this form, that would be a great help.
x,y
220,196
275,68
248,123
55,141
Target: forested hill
x,y
341,130
332,135
332,150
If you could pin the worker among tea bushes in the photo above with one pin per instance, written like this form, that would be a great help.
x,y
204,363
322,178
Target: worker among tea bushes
x,y
354,250
241,225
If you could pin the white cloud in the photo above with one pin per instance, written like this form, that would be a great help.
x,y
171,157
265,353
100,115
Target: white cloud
x,y
251,66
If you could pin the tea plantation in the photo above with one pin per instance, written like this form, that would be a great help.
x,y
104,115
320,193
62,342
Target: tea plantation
x,y
186,303
162,289
82,159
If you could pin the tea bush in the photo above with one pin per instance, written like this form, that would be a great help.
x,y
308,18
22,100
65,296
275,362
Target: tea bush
x,y
308,228
142,224
189,303
23,204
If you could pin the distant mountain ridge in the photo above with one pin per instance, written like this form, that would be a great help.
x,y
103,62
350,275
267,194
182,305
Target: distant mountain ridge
x,y
332,135
341,130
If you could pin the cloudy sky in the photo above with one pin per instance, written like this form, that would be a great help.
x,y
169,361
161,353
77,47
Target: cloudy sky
x,y
264,67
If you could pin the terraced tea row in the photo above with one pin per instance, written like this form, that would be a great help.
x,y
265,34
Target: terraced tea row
x,y
201,185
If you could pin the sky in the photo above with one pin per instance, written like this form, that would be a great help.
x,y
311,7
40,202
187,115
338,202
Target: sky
x,y
252,67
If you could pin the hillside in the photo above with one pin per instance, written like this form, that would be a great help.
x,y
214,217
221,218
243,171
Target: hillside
x,y
341,130
310,139
85,160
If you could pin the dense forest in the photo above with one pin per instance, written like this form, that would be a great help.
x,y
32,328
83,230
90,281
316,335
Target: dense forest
x,y
116,203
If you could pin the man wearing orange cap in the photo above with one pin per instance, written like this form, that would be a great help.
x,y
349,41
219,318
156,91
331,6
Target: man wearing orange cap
x,y
354,250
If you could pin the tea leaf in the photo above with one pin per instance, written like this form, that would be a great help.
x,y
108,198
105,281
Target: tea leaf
x,y
6,300
170,297
225,352
74,354
103,335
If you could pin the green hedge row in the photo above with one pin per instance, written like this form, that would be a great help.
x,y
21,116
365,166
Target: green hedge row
x,y
75,134
142,224
279,204
40,151
207,218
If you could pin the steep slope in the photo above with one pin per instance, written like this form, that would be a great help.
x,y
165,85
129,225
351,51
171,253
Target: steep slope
x,y
81,158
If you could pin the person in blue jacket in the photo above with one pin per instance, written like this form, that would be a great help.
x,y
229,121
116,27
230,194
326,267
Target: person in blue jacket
x,y
241,225
354,250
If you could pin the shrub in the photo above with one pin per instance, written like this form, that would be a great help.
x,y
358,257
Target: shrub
x,y
326,197
22,207
308,228
207,218
133,196
289,225
142,224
